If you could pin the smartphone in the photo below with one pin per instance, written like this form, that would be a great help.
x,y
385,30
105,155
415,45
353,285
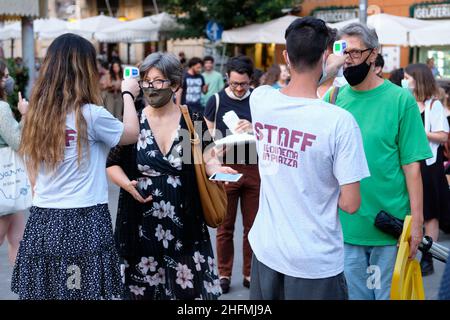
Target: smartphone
x,y
225,177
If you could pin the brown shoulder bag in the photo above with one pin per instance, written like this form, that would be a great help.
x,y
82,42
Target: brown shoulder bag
x,y
212,196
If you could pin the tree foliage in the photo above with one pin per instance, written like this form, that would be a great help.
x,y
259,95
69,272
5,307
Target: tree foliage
x,y
20,75
194,14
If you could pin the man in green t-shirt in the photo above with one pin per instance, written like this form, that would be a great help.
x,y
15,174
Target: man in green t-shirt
x,y
394,143
213,79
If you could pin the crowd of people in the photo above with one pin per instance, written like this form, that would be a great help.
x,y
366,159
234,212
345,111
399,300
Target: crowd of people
x,y
334,144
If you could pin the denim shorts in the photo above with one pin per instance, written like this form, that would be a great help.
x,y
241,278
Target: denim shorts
x,y
369,270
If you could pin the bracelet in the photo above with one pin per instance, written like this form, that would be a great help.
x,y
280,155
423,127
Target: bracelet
x,y
128,92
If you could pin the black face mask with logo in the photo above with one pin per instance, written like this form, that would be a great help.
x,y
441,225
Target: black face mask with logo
x,y
356,74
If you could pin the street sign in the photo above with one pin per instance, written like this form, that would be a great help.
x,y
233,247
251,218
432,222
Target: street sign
x,y
214,31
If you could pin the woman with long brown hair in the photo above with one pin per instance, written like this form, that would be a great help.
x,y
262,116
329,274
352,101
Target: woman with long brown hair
x,y
277,76
11,223
68,250
435,187
110,83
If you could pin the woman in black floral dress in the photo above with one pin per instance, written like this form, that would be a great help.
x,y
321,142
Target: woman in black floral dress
x,y
160,231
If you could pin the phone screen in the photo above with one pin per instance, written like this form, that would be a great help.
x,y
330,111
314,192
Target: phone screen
x,y
227,177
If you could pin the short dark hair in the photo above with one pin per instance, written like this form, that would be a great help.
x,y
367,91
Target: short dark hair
x,y
306,40
397,76
332,37
379,61
240,64
256,78
208,58
194,61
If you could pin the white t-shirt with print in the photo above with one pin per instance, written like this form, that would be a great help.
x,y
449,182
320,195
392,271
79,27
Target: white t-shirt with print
x,y
73,186
307,149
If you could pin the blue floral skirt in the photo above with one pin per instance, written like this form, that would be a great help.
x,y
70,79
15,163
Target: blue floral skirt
x,y
68,254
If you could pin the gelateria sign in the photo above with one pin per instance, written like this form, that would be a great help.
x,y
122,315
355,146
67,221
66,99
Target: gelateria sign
x,y
334,14
431,11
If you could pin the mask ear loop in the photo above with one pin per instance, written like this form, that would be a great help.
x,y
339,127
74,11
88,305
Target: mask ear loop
x,y
369,56
178,88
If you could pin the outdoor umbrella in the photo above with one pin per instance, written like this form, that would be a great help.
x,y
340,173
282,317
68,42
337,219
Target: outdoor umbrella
x,y
43,29
53,28
391,30
268,32
10,31
140,30
436,34
94,24
145,29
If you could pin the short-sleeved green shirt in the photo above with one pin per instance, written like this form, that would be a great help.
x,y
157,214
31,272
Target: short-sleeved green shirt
x,y
215,83
393,136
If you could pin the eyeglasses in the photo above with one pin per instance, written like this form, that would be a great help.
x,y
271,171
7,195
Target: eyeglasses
x,y
356,53
156,84
243,85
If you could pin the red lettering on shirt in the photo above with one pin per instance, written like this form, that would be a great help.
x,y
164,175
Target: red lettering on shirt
x,y
70,136
307,140
258,133
288,142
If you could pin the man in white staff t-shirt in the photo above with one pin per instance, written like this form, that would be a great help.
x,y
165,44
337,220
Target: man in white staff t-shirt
x,y
311,159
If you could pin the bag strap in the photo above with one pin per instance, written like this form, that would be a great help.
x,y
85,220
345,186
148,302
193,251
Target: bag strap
x,y
427,122
334,94
431,103
215,116
195,139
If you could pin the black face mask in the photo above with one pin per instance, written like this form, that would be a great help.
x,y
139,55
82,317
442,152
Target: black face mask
x,y
157,98
356,74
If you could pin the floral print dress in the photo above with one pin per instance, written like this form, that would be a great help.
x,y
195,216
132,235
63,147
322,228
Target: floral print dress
x,y
164,268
